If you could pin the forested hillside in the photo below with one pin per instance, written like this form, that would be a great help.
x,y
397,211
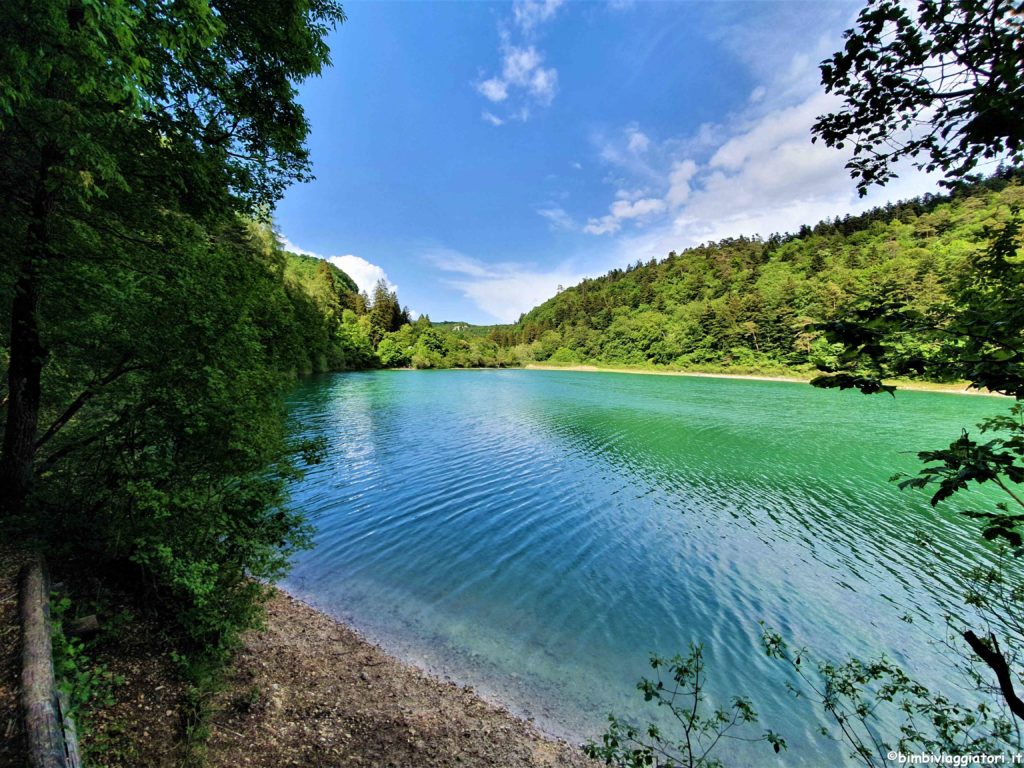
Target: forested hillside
x,y
331,329
335,326
752,303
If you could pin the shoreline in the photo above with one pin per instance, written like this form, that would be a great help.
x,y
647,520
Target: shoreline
x,y
304,690
315,688
949,389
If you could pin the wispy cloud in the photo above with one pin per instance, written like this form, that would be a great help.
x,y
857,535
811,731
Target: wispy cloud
x,y
364,273
679,182
503,291
637,142
528,14
623,210
522,75
523,80
494,90
754,172
558,217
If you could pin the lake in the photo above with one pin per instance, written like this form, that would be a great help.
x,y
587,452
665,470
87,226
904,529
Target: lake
x,y
536,534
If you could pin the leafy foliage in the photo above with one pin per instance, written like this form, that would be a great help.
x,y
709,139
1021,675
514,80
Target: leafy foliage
x,y
974,335
868,699
84,683
153,326
386,314
680,689
941,81
424,345
978,335
332,330
966,461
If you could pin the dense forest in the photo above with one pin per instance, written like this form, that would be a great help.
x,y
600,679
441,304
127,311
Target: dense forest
x,y
745,304
152,322
754,303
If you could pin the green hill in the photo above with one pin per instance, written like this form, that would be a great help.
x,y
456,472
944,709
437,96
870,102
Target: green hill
x,y
329,327
304,269
468,330
751,303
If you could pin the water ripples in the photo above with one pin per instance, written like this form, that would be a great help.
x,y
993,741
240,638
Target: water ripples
x,y
536,534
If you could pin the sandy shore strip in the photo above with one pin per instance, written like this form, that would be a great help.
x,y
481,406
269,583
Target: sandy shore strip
x,y
911,386
309,691
306,691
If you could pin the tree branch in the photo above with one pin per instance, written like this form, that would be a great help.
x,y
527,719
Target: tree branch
x,y
118,371
994,658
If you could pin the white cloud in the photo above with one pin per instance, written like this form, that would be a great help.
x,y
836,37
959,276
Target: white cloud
x,y
775,129
531,13
631,194
606,225
364,273
679,182
492,118
451,260
518,63
544,84
766,177
523,80
638,141
504,291
522,67
624,209
493,89
630,151
755,171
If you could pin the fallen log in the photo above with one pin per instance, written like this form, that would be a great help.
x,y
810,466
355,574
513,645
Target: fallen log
x,y
45,726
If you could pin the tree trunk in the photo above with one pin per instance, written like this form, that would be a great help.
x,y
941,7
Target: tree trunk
x,y
26,361
26,366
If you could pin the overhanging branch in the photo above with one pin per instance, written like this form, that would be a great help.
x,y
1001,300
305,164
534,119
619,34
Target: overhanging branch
x,y
989,653
79,402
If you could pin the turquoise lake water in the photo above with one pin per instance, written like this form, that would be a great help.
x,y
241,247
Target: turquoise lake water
x,y
536,534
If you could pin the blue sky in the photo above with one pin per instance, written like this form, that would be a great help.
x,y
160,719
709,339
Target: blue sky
x,y
478,155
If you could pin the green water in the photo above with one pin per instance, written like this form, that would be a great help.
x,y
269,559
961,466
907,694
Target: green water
x,y
537,533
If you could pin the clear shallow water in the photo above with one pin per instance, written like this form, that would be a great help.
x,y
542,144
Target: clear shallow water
x,y
537,533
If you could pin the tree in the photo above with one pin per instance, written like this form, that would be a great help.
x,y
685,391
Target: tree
x,y
152,329
393,354
942,83
186,108
385,312
954,74
859,695
679,688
